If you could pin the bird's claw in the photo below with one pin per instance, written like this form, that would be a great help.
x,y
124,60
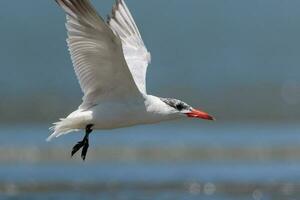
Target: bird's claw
x,y
84,144
76,148
84,149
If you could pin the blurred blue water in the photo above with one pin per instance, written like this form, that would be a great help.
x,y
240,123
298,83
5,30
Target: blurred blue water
x,y
153,172
188,135
185,133
130,172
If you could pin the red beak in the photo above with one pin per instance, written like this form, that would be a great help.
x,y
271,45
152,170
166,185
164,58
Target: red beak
x,y
199,114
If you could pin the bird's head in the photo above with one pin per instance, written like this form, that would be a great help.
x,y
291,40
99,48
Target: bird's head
x,y
182,108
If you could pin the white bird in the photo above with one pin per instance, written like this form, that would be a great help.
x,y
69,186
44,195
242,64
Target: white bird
x,y
110,61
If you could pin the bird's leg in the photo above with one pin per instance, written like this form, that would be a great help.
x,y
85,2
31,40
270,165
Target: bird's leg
x,y
88,130
84,144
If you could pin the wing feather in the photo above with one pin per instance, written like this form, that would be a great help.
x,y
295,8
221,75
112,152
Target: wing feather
x,y
97,55
135,52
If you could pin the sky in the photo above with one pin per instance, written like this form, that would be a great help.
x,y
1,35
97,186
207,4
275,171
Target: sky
x,y
236,59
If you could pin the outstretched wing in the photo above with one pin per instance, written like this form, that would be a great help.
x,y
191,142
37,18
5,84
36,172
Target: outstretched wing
x,y
135,52
97,55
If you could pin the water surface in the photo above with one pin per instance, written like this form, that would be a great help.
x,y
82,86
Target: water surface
x,y
167,161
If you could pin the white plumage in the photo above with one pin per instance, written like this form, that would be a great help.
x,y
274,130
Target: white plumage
x,y
135,52
110,61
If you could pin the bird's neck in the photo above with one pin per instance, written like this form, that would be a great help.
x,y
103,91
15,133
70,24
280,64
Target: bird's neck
x,y
156,106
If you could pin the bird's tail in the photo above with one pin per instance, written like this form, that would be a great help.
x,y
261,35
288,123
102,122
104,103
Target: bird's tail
x,y
64,126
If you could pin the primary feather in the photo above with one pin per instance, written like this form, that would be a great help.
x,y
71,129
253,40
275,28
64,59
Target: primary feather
x,y
109,59
97,55
135,52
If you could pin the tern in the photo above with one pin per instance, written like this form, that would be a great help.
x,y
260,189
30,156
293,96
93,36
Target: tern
x,y
110,61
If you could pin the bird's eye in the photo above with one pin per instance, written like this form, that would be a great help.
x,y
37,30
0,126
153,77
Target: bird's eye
x,y
179,106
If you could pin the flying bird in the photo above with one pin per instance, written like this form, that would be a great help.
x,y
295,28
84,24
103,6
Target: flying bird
x,y
110,60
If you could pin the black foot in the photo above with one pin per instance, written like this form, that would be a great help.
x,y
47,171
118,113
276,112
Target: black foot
x,y
76,148
84,144
85,149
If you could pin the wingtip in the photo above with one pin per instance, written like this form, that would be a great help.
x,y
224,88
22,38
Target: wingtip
x,y
59,2
118,2
108,18
115,7
114,10
49,138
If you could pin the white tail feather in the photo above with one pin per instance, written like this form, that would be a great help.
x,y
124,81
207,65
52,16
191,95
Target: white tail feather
x,y
64,126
